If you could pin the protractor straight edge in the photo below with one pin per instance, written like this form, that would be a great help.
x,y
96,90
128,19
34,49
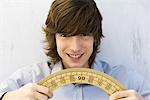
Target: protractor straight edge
x,y
84,76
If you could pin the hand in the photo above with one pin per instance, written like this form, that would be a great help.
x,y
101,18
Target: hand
x,y
30,91
126,95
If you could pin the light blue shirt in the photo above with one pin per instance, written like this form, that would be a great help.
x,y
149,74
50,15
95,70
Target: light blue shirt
x,y
35,72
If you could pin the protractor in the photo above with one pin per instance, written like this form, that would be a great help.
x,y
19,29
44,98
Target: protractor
x,y
82,75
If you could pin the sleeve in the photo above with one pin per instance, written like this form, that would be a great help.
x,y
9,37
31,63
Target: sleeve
x,y
144,89
16,80
140,84
1,94
27,74
131,79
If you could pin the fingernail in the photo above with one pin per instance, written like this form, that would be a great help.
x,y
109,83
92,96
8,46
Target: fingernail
x,y
50,94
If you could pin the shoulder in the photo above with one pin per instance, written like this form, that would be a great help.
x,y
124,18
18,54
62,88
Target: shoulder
x,y
130,77
28,74
34,71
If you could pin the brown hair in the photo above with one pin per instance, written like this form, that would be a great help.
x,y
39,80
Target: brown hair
x,y
72,17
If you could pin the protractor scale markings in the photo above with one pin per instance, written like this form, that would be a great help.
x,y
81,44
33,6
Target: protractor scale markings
x,y
82,75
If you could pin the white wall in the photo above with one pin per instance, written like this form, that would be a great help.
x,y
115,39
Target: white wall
x,y
125,26
21,24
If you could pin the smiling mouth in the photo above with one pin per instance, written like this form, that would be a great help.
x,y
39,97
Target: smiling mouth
x,y
75,56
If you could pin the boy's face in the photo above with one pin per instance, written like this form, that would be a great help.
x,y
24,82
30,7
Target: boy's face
x,y
74,51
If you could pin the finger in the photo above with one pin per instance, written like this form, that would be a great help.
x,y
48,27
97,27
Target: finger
x,y
40,96
123,94
44,90
125,99
130,98
118,95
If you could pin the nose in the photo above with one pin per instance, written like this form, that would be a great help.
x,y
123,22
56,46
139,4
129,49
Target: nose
x,y
75,44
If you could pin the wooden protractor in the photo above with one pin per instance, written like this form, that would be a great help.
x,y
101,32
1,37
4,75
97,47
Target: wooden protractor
x,y
82,75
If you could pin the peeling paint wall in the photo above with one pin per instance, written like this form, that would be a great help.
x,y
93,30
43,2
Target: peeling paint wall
x,y
21,24
125,26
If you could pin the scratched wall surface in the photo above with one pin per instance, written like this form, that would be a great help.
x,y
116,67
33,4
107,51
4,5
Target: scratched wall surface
x,y
125,26
21,24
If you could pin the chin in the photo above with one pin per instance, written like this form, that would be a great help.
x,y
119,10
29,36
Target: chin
x,y
73,66
77,66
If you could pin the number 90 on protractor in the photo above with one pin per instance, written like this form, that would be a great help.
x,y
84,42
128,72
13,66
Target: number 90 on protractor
x,y
82,75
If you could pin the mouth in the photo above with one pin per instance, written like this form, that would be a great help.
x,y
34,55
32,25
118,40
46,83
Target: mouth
x,y
75,56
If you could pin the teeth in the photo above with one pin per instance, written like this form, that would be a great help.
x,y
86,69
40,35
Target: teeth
x,y
75,55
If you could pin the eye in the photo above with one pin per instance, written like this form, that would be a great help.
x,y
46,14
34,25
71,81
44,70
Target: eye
x,y
63,35
84,34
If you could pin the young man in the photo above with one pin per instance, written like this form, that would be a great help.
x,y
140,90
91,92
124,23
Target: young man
x,y
73,33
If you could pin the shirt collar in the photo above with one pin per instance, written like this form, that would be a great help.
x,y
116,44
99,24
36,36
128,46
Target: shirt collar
x,y
97,65
57,67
